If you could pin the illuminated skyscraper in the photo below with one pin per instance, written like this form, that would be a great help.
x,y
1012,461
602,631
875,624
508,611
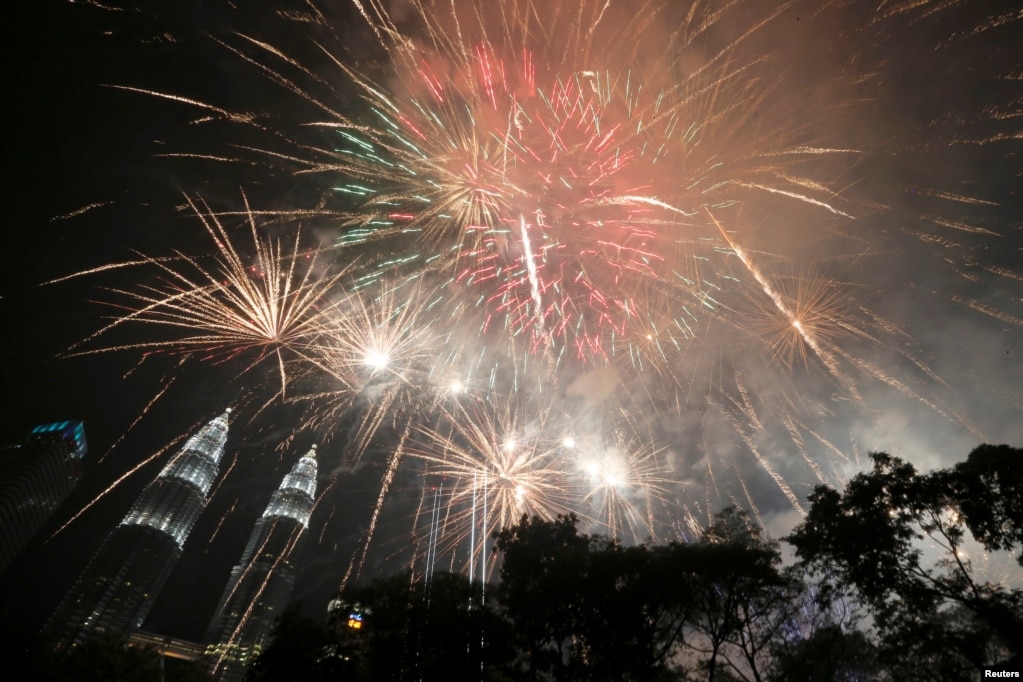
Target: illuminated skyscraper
x,y
120,584
261,583
36,475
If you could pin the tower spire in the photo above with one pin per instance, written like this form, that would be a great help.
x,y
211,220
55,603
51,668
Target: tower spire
x,y
261,582
295,495
123,579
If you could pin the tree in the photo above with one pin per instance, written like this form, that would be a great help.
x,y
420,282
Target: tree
x,y
543,564
585,608
631,613
933,614
302,649
988,490
436,629
822,642
741,600
829,654
108,657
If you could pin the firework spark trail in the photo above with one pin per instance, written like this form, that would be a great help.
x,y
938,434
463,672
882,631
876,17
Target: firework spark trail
x,y
252,605
800,443
330,516
553,144
434,535
359,558
901,386
990,310
219,483
815,305
798,197
81,211
747,435
374,352
238,118
825,357
145,410
220,523
749,499
534,282
502,450
416,540
123,477
612,482
111,266
523,479
570,106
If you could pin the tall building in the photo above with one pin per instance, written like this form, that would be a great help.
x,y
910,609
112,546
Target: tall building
x,y
261,583
36,476
120,584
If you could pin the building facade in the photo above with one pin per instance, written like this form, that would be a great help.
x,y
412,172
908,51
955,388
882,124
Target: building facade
x,y
123,579
36,476
260,584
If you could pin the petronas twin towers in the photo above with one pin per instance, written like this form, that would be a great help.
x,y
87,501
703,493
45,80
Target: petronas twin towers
x,y
120,584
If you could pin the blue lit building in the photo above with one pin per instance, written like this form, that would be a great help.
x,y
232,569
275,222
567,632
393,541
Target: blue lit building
x,y
123,579
261,583
36,476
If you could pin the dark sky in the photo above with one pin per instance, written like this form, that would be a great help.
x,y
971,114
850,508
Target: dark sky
x,y
935,98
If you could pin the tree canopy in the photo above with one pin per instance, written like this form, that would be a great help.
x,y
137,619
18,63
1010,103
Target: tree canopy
x,y
884,587
898,540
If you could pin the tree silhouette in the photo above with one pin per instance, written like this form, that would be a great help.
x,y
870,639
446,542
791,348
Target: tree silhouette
x,y
585,608
937,620
988,490
436,629
574,607
740,598
829,654
543,568
301,650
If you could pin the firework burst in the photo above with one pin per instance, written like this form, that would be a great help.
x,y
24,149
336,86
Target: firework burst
x,y
531,168
268,307
492,463
371,353
669,222
625,486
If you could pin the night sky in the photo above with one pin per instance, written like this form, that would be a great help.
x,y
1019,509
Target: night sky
x,y
931,257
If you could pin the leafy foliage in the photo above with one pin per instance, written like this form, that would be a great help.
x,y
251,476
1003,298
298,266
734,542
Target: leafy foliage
x,y
412,628
889,550
830,653
988,488
876,536
302,649
586,608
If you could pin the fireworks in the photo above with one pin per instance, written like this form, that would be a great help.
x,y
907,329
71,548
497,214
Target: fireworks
x,y
268,309
372,354
491,462
626,487
658,248
506,453
534,170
